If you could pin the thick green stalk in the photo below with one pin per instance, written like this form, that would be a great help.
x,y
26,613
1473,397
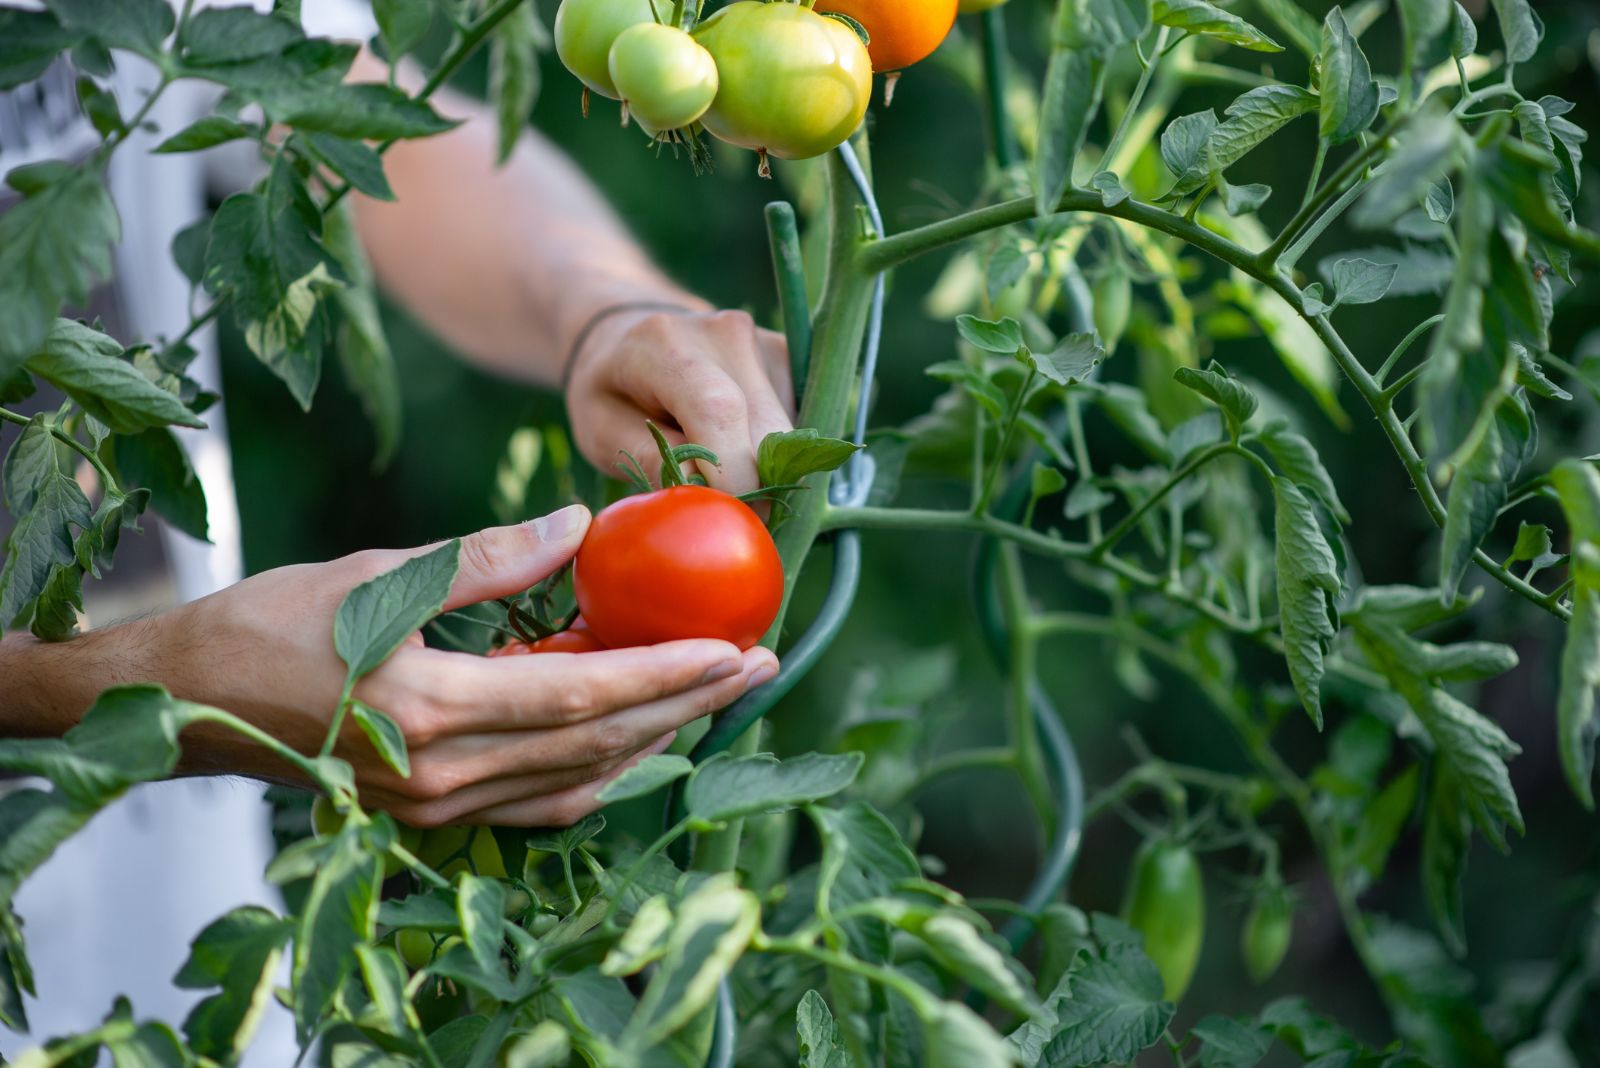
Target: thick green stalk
x,y
841,322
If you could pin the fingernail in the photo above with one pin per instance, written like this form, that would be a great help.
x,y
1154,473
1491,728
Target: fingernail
x,y
762,675
725,669
559,526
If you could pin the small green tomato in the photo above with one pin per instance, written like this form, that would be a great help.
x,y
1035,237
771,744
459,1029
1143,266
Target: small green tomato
x,y
585,30
665,78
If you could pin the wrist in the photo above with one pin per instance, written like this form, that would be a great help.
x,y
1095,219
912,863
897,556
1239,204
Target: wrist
x,y
610,322
48,686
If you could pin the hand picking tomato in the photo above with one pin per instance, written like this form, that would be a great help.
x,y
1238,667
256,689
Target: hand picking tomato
x,y
666,80
902,32
577,638
585,30
1166,902
793,83
681,562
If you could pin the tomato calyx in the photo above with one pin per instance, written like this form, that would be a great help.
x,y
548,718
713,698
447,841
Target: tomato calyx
x,y
673,458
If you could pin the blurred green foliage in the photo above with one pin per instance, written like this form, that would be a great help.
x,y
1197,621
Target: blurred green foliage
x,y
299,474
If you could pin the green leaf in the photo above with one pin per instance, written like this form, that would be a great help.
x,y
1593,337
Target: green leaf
x,y
385,976
234,34
1238,404
86,365
32,824
956,1037
1521,27
1111,191
1184,140
1045,480
514,75
821,1045
1533,546
1349,94
1072,360
41,540
1426,25
1230,1043
1242,199
1114,1011
711,929
264,253
378,615
1074,80
238,953
961,950
1006,268
788,457
1382,821
384,734
206,133
644,942
731,788
350,160
547,1045
1296,344
1480,489
1004,337
1308,586
1297,25
157,461
137,25
29,43
1358,281
1577,486
645,777
364,353
564,841
480,905
1300,464
366,112
55,247
35,458
1417,269
403,24
1208,20
339,914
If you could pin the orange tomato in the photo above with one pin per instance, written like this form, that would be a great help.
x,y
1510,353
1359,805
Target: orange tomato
x,y
575,639
903,32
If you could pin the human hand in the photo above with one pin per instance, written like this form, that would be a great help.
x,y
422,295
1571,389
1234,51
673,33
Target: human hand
x,y
708,377
526,740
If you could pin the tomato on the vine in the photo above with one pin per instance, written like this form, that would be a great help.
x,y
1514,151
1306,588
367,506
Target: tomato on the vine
x,y
1268,929
1166,902
794,83
415,946
441,843
577,638
901,32
681,562
585,30
665,78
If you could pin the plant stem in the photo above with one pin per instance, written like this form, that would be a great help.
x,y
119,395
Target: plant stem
x,y
1007,432
1316,171
337,725
1022,677
996,758
992,28
1134,101
1405,344
1309,210
1131,520
108,481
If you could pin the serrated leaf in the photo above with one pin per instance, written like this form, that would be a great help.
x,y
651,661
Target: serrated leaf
x,y
961,950
1300,464
41,540
1359,281
1242,199
645,777
1072,360
514,75
732,788
29,43
137,25
1308,586
55,247
1074,80
480,906
1349,94
206,133
157,461
1230,1043
956,1037
216,35
821,1045
788,457
1418,269
1115,1010
87,366
1208,20
1480,488
1184,139
339,915
1236,400
402,23
1110,188
378,615
240,954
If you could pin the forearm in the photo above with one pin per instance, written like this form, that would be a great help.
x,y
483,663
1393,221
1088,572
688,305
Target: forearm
x,y
45,687
507,264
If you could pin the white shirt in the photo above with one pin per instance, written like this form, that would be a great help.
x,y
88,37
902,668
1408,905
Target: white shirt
x,y
114,910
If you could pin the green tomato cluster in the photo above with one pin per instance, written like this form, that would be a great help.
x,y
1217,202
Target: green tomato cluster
x,y
778,79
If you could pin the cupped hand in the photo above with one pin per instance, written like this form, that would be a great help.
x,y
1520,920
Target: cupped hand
x,y
712,378
527,740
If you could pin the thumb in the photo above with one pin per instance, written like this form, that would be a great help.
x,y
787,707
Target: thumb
x,y
502,561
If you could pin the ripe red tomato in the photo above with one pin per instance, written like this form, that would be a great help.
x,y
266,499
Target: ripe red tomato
x,y
682,562
793,84
903,32
577,638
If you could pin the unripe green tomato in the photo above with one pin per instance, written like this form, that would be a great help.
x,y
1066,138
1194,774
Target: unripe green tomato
x,y
666,80
793,83
1166,902
325,819
585,31
974,7
1113,296
440,843
1264,939
415,946
517,901
543,923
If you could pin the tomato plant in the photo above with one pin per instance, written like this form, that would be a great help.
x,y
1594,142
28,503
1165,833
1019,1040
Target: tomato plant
x,y
1230,276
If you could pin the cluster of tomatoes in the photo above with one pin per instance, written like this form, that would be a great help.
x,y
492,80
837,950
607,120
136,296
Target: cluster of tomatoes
x,y
782,78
